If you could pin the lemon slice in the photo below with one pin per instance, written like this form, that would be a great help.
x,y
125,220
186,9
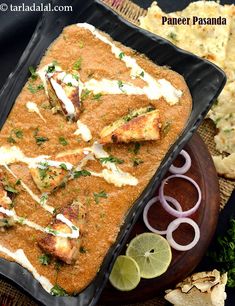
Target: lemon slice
x,y
152,253
125,274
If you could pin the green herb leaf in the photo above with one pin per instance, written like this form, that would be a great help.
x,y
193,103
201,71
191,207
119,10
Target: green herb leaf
x,y
120,85
173,36
121,55
142,74
81,44
111,159
18,133
224,255
82,250
137,161
77,174
45,259
63,141
166,128
33,73
97,96
58,291
75,76
10,139
77,64
43,199
63,166
85,94
10,189
98,195
51,68
33,89
40,140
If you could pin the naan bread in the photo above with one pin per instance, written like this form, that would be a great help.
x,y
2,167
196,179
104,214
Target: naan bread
x,y
217,44
208,41
204,288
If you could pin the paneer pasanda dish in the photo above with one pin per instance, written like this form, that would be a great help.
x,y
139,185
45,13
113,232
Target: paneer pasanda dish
x,y
85,136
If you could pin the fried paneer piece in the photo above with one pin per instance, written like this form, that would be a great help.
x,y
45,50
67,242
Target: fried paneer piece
x,y
139,125
65,249
5,202
49,178
63,92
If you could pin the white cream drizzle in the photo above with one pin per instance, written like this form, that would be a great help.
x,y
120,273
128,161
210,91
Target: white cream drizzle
x,y
155,88
20,257
48,208
113,174
68,104
42,73
6,212
33,108
83,130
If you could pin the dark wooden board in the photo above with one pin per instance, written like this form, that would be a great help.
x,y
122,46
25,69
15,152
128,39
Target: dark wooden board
x,y
183,263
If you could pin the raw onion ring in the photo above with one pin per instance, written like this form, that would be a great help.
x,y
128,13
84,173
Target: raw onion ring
x,y
174,225
185,167
147,207
171,210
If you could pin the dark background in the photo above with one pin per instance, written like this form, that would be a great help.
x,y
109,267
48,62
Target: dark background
x,y
16,29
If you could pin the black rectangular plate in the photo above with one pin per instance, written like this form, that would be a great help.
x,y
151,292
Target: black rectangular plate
x,y
204,80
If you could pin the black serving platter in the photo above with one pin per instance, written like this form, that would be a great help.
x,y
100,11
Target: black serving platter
x,y
204,79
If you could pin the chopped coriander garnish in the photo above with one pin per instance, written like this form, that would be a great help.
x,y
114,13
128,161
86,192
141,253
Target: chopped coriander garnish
x,y
135,148
51,231
44,259
82,250
142,74
81,44
166,127
18,182
63,166
18,133
77,174
43,173
51,68
98,195
33,73
43,198
121,55
40,140
111,159
75,76
74,228
85,94
63,141
137,161
120,85
10,189
172,35
77,64
33,89
69,84
58,291
97,96
10,139
224,255
20,220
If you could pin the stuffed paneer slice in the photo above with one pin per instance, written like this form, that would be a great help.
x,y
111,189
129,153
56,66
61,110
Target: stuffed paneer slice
x,y
49,178
139,125
65,248
6,219
63,92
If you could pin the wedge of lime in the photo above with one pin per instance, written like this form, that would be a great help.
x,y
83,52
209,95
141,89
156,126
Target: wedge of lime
x,y
152,253
125,274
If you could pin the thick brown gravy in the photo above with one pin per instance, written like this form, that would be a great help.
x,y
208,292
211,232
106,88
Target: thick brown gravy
x,y
103,218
